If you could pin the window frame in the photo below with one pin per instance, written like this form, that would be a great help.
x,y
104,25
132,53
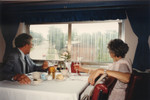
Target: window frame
x,y
121,35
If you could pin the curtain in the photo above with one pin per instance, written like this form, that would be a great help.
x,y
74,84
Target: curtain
x,y
21,29
67,11
69,16
44,12
9,30
140,22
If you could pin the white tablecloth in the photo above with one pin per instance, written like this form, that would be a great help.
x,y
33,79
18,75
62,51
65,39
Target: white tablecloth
x,y
68,89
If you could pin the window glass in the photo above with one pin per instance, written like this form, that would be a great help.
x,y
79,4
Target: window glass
x,y
89,41
49,41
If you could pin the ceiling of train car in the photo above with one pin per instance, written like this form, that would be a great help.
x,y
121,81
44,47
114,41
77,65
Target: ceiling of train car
x,y
55,1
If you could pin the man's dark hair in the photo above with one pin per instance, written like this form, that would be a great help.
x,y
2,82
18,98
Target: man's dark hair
x,y
118,47
22,39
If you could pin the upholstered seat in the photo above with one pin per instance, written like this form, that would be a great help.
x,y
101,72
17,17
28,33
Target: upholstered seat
x,y
138,87
101,91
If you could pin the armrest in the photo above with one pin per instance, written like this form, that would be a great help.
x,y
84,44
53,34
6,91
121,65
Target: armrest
x,y
101,91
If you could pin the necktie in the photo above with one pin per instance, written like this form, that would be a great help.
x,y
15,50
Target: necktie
x,y
26,64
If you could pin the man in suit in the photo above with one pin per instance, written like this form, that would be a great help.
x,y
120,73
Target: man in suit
x,y
18,62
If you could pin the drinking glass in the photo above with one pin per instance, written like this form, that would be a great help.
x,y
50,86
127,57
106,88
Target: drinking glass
x,y
55,64
78,63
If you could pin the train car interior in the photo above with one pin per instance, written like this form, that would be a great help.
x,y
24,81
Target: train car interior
x,y
83,28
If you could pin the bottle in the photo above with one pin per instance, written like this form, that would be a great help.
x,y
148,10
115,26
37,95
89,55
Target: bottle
x,y
53,75
53,72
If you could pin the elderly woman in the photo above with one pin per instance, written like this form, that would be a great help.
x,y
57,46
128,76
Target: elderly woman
x,y
120,69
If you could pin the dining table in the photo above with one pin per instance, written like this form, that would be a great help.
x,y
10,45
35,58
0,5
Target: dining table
x,y
70,88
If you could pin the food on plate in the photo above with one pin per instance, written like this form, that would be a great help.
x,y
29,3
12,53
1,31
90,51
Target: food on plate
x,y
59,77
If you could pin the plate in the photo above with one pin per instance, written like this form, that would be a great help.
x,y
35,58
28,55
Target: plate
x,y
37,82
61,79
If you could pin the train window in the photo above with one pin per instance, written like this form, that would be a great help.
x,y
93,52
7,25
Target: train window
x,y
48,41
88,41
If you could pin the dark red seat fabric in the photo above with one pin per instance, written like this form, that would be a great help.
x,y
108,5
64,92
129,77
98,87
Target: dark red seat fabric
x,y
101,91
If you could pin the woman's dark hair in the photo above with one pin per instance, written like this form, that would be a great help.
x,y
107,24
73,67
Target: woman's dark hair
x,y
22,39
118,47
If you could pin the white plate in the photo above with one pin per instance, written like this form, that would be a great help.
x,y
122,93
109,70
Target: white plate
x,y
36,82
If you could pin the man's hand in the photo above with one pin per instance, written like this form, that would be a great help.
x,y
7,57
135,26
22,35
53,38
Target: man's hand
x,y
45,65
22,79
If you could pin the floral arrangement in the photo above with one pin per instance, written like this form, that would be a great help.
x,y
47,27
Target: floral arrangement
x,y
66,55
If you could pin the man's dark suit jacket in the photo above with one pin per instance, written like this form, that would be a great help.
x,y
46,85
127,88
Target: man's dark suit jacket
x,y
13,65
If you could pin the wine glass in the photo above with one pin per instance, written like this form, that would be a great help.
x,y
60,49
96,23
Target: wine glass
x,y
55,64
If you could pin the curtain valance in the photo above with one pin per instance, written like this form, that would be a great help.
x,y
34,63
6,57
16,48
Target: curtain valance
x,y
68,16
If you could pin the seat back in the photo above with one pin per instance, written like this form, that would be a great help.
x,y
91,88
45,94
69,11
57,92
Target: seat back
x,y
138,86
101,91
131,86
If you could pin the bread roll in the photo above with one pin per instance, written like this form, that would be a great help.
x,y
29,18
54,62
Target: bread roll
x,y
59,77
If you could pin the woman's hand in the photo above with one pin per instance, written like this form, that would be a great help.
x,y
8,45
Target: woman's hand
x,y
94,75
78,67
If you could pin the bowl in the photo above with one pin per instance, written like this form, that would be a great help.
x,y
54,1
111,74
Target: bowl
x,y
36,75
